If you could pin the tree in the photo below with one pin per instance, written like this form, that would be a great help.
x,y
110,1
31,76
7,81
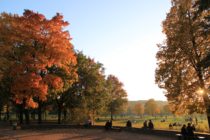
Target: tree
x,y
117,95
180,71
165,110
138,109
33,47
151,107
89,90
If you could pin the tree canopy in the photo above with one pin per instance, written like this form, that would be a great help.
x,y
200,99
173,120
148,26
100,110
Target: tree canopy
x,y
31,46
117,95
182,59
151,107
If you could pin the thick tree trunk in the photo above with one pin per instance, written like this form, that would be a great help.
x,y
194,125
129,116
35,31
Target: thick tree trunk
x,y
59,114
8,116
26,112
205,95
33,115
40,113
20,112
207,104
0,113
65,114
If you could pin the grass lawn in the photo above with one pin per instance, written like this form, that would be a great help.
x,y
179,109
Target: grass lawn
x,y
202,125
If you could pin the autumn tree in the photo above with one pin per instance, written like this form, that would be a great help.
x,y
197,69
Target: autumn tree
x,y
117,95
138,109
183,59
165,110
31,48
151,107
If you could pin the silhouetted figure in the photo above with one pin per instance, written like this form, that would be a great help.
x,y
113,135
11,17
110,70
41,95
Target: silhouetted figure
x,y
151,125
108,125
184,132
190,133
145,124
193,127
128,124
170,126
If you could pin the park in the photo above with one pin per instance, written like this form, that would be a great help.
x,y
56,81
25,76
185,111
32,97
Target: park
x,y
95,70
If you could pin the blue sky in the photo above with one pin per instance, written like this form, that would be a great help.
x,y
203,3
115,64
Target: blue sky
x,y
121,34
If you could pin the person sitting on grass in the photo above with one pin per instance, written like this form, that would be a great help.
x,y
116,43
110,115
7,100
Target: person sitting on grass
x,y
145,124
170,126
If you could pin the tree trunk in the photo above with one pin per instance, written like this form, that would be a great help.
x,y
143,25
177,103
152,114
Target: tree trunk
x,y
8,116
40,113
33,115
26,112
0,113
205,95
65,114
111,116
207,104
59,114
20,112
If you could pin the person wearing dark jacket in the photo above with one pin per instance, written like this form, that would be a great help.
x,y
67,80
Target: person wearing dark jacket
x,y
150,124
190,132
128,124
184,132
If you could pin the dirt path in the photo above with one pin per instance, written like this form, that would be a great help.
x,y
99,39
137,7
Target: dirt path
x,y
73,134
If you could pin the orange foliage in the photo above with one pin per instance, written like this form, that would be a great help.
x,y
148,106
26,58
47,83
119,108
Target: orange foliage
x,y
32,44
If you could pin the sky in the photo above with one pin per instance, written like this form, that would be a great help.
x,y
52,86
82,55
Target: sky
x,y
120,34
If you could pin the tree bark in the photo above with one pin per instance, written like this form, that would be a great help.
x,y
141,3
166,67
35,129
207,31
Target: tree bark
x,y
207,104
20,113
40,113
205,94
0,113
26,112
8,116
59,114
111,116
65,114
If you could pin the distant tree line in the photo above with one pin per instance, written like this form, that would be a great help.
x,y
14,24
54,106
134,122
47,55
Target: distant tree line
x,y
149,108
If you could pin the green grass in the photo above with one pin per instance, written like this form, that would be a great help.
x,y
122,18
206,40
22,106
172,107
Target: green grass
x,y
202,125
137,122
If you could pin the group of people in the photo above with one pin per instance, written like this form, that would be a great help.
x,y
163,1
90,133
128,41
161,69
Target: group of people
x,y
148,125
188,131
108,124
